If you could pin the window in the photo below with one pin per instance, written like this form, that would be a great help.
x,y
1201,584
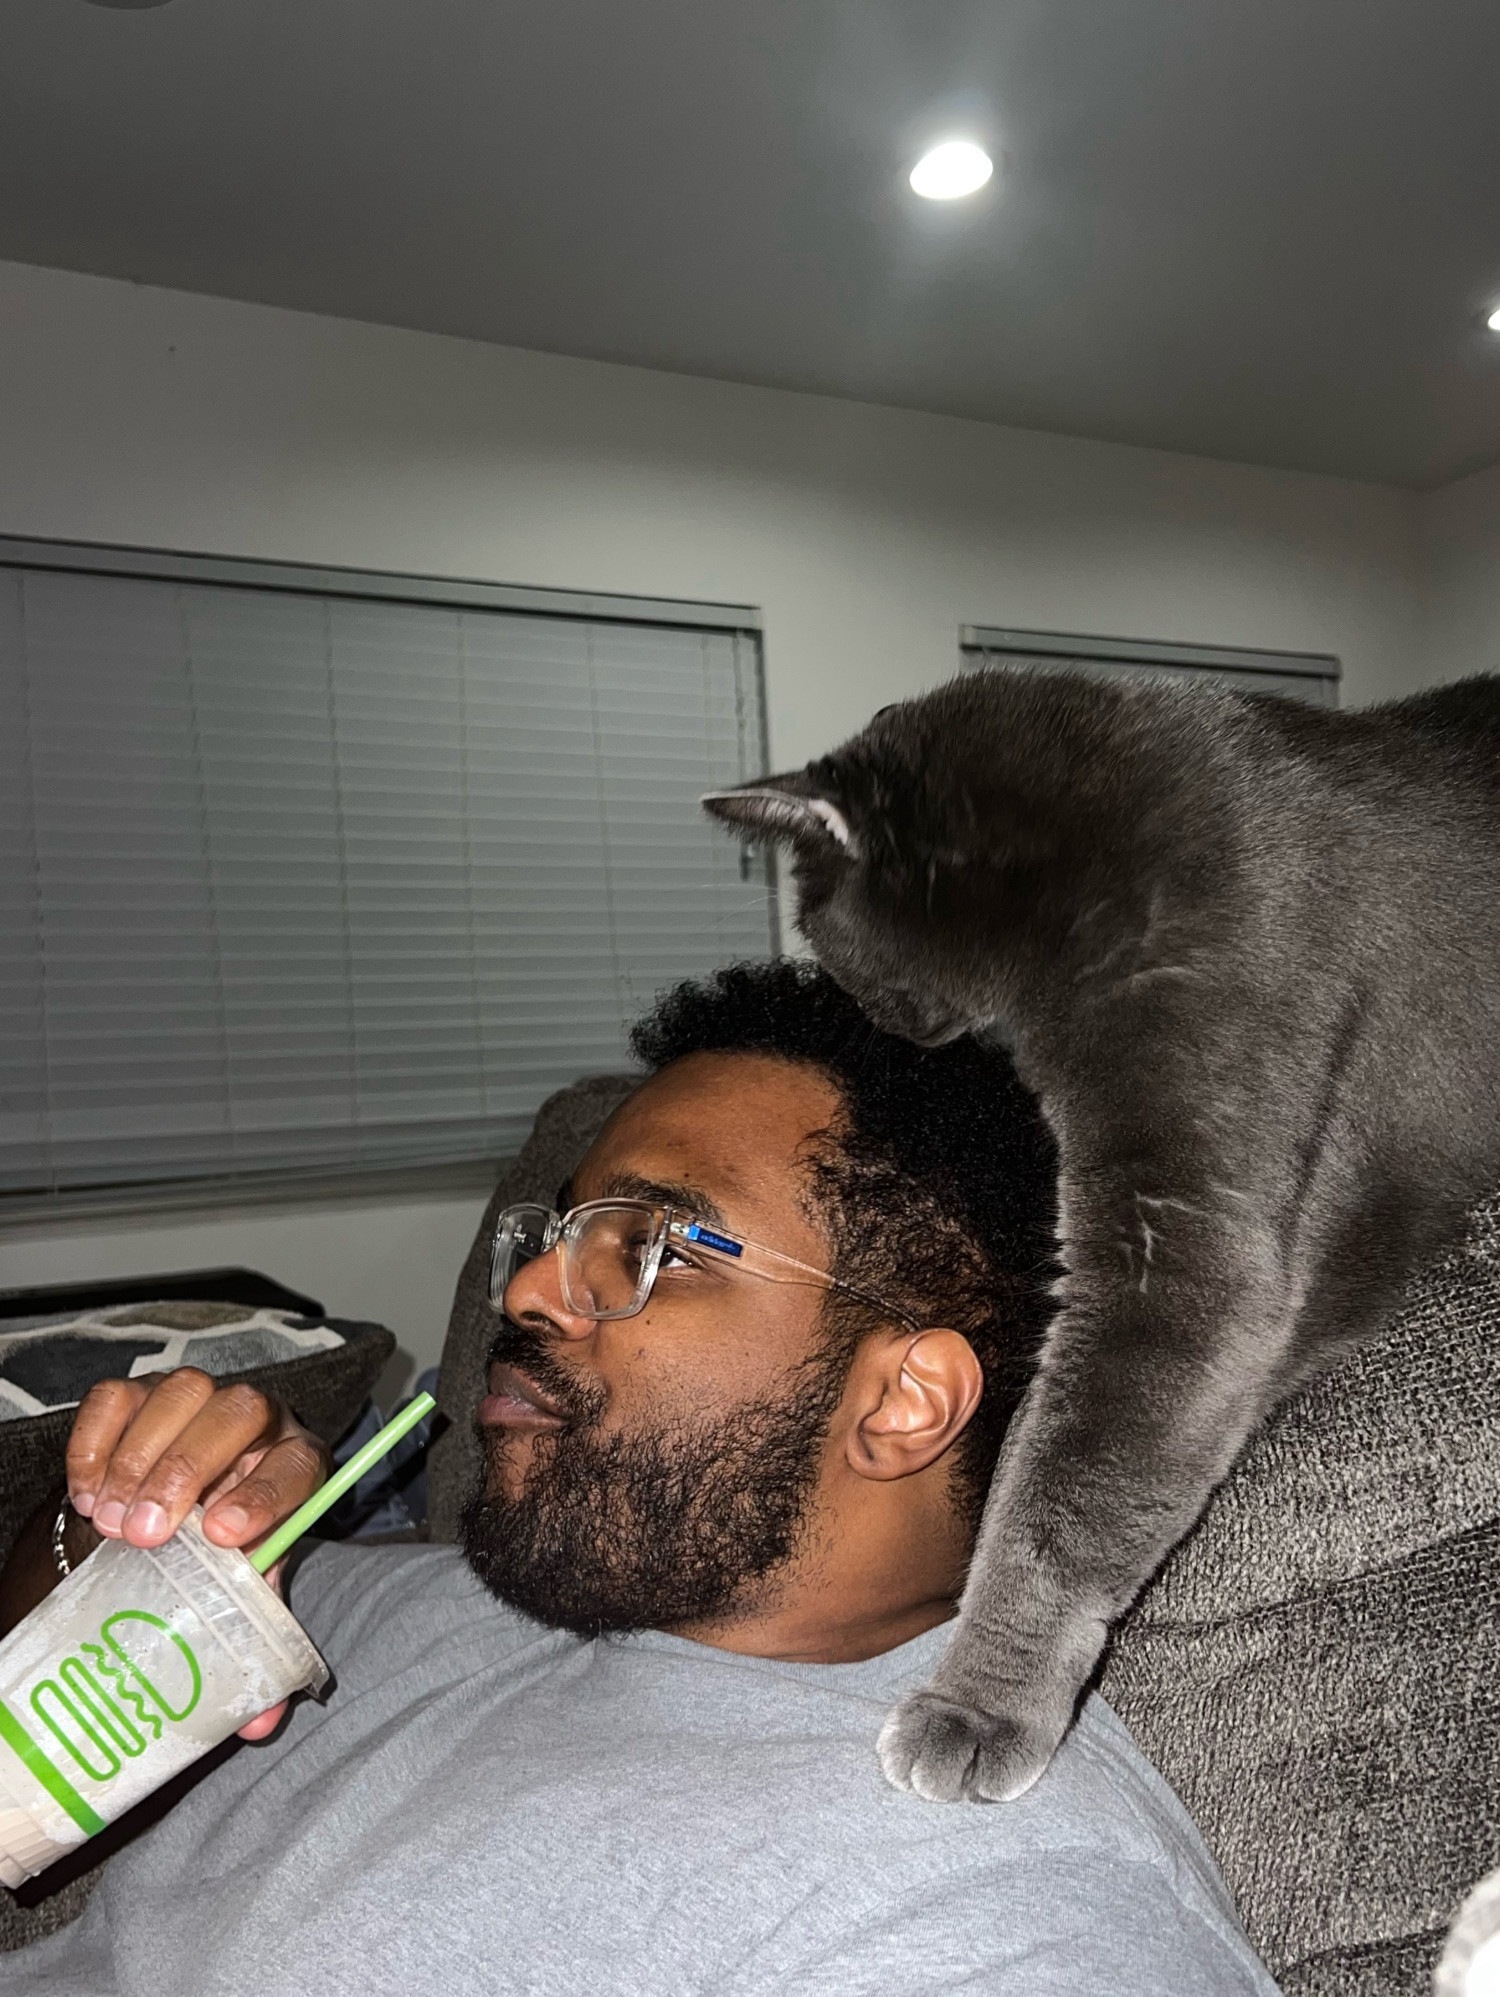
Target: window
x,y
305,871
1311,676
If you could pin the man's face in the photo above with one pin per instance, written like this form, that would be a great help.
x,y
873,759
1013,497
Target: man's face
x,y
658,1470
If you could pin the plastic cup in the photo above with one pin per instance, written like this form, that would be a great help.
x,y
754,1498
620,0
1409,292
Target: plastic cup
x,y
131,1669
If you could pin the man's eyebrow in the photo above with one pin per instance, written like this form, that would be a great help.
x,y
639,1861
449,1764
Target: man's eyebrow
x,y
664,1192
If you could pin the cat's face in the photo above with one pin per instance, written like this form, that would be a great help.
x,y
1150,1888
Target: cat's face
x,y
875,877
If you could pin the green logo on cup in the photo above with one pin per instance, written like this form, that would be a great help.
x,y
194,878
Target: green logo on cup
x,y
109,1707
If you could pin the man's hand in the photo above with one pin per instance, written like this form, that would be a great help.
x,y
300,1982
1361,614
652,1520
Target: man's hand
x,y
143,1452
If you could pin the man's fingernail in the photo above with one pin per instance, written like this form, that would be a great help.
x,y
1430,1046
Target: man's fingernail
x,y
83,1503
229,1519
110,1515
148,1519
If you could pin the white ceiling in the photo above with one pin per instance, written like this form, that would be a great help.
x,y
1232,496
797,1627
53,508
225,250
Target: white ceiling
x,y
1256,229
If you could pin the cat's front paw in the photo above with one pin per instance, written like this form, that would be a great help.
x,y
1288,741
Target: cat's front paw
x,y
952,1753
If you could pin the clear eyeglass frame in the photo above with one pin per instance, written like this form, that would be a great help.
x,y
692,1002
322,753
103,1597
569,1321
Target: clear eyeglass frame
x,y
612,1251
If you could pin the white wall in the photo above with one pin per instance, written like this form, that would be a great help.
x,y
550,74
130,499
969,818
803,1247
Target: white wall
x,y
866,536
1460,574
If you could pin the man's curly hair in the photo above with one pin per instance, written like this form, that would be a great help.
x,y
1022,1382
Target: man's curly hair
x,y
937,1186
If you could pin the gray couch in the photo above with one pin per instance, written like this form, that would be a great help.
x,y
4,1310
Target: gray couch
x,y
1317,1668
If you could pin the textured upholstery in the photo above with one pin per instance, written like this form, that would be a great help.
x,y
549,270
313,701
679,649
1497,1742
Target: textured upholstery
x,y
1317,1668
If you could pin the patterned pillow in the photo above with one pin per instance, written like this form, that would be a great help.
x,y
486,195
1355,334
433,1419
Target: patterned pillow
x,y
51,1360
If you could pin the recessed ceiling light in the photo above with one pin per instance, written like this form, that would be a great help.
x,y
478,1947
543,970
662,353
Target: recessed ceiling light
x,y
951,170
1493,322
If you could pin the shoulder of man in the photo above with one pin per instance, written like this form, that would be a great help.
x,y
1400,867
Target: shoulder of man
x,y
1097,1880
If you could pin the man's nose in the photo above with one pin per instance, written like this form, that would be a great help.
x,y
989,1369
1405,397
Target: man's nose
x,y
534,1296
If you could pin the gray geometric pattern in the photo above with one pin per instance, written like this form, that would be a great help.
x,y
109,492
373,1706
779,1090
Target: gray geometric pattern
x,y
51,1362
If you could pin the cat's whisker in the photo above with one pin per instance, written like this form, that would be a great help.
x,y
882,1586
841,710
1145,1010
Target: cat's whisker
x,y
1163,971
1100,967
1228,1192
1166,1200
1088,917
1148,1245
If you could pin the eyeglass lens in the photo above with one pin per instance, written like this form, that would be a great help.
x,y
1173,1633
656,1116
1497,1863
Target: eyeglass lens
x,y
521,1237
609,1255
609,1258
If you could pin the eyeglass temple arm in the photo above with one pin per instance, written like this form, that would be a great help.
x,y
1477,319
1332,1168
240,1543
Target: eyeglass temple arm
x,y
726,1244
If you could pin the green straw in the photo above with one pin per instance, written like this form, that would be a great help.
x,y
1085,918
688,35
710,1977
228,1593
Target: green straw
x,y
270,1551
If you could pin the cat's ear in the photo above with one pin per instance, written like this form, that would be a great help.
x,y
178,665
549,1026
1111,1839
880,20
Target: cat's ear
x,y
795,816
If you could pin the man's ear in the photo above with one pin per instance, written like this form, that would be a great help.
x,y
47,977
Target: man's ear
x,y
921,1390
785,809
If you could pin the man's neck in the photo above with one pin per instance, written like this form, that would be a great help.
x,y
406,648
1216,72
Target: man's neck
x,y
879,1563
808,1633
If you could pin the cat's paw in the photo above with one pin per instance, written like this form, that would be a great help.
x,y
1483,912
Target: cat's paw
x,y
952,1753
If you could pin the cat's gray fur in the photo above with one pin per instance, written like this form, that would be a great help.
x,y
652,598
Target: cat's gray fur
x,y
1248,955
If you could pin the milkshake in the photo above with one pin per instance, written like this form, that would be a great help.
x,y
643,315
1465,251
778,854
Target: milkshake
x,y
134,1666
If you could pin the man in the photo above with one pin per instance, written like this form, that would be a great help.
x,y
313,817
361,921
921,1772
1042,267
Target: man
x,y
742,1408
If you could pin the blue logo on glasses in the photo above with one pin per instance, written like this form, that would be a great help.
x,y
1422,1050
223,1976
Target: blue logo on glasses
x,y
698,1232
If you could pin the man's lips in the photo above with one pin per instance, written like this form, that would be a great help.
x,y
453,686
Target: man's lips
x,y
513,1402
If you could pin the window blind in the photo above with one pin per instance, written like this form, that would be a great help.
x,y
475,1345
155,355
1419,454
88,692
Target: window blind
x,y
1308,676
299,881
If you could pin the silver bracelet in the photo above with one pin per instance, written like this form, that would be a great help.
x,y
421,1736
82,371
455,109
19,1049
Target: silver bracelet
x,y
59,1532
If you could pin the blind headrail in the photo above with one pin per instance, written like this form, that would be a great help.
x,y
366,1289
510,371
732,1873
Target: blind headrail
x,y
1146,652
458,592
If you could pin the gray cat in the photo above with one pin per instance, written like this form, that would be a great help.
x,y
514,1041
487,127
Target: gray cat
x,y
1247,953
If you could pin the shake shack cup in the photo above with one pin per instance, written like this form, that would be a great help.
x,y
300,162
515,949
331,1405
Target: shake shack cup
x,y
136,1664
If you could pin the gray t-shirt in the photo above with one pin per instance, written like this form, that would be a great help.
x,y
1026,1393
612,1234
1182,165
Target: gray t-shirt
x,y
486,1805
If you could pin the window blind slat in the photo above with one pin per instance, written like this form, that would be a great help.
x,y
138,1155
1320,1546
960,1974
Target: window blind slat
x,y
294,883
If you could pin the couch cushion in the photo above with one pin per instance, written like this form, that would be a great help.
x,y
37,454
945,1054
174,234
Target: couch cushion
x,y
1316,1670
327,1384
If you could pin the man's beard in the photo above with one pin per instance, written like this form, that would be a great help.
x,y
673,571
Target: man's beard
x,y
678,1525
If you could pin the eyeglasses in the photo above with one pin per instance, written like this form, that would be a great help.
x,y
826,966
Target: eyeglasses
x,y
614,1250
